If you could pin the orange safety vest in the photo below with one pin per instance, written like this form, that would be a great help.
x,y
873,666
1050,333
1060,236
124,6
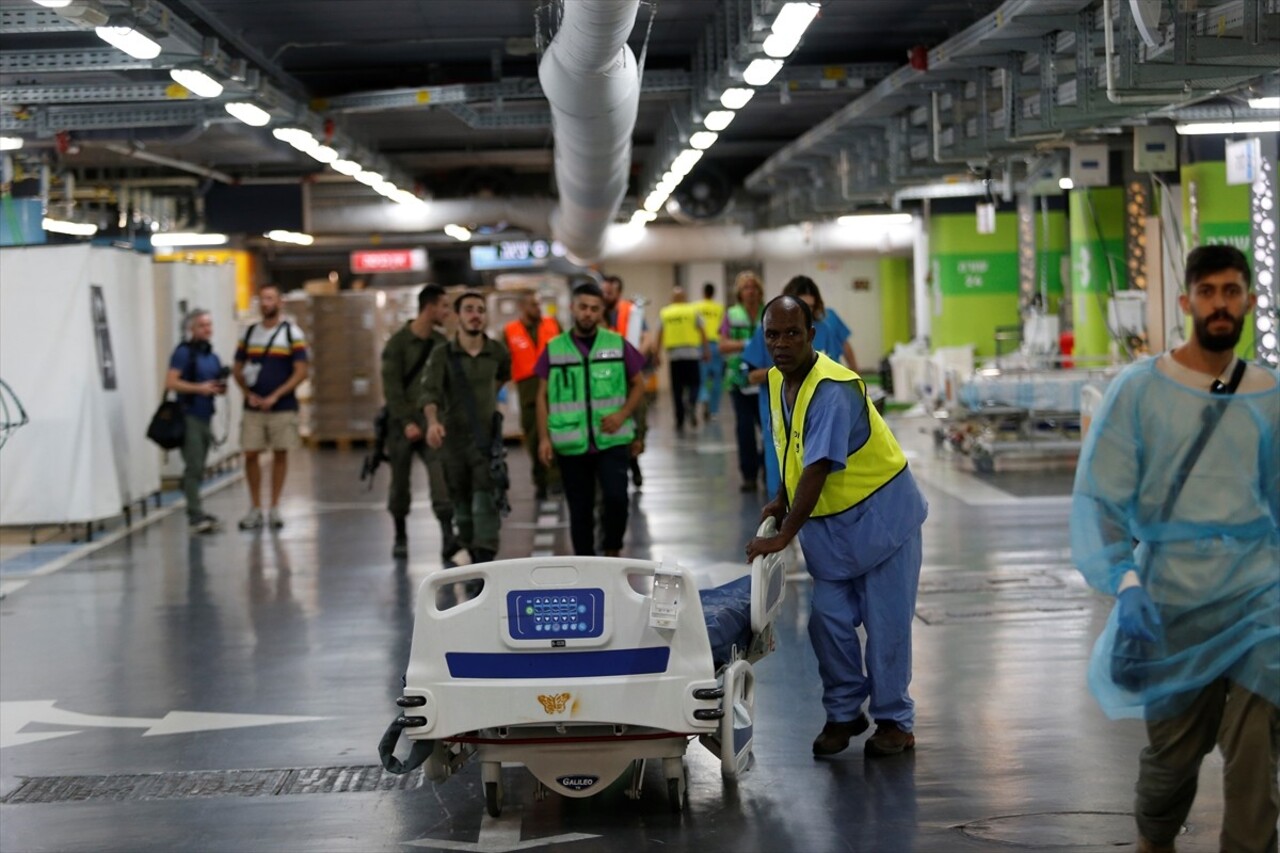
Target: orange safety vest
x,y
524,353
623,318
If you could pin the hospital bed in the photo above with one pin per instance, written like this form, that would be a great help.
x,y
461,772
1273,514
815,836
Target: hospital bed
x,y
1002,412
582,668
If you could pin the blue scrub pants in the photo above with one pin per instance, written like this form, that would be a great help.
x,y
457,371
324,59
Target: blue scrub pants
x,y
884,601
709,392
772,473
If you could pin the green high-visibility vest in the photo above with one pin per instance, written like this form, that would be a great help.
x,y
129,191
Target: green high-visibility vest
x,y
741,327
578,398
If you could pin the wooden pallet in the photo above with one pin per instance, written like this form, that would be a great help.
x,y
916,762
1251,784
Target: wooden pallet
x,y
344,442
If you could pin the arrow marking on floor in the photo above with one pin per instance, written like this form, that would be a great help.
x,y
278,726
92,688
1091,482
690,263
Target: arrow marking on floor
x,y
500,835
14,717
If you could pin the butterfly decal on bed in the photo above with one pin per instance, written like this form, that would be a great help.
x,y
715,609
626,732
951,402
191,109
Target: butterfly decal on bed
x,y
554,704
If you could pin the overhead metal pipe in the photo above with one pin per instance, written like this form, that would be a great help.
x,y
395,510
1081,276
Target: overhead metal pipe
x,y
592,81
171,162
1113,93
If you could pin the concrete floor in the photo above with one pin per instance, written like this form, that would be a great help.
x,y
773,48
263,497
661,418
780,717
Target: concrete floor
x,y
141,683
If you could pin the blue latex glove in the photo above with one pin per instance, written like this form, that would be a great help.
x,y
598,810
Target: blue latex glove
x,y
1138,615
502,394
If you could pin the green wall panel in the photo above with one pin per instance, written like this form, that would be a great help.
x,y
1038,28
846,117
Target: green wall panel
x,y
1224,217
977,275
973,320
1097,263
895,301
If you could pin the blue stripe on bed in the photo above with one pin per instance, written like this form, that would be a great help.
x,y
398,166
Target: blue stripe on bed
x,y
558,664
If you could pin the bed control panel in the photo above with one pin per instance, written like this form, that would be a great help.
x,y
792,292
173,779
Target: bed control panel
x,y
563,614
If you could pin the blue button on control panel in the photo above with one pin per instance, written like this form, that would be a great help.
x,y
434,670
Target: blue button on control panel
x,y
563,614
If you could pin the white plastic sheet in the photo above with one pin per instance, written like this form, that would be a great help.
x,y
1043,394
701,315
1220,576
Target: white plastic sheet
x,y
83,456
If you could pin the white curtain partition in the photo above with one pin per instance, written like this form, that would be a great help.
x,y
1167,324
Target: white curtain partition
x,y
84,455
179,289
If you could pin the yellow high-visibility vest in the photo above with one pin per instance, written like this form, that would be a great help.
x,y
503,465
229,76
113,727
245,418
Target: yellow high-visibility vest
x,y
866,470
680,326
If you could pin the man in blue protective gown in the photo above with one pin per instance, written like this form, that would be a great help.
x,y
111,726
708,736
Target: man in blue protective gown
x,y
847,493
1176,512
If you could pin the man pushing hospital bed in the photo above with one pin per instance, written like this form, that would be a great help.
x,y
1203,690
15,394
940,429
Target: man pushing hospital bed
x,y
582,668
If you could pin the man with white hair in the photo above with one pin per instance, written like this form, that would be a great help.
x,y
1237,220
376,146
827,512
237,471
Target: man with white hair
x,y
196,375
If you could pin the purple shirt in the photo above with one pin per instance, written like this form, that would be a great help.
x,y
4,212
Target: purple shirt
x,y
632,360
631,357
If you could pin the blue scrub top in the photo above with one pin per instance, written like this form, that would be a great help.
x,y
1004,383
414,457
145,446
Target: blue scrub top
x,y
844,546
829,336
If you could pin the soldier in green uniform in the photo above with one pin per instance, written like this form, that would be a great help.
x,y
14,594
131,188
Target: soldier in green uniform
x,y
460,390
403,360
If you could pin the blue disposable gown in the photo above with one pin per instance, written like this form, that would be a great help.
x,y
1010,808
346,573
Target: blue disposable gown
x,y
1212,566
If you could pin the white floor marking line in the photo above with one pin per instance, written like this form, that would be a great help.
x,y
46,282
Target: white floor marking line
x,y
14,716
974,492
500,835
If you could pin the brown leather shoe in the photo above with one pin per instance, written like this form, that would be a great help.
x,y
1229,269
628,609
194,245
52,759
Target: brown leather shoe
x,y
889,739
835,736
1145,846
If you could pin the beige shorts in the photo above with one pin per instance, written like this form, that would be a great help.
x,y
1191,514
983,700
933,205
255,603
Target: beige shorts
x,y
261,431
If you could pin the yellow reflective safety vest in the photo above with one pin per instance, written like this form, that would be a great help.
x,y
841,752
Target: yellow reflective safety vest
x,y
712,318
866,470
579,395
680,326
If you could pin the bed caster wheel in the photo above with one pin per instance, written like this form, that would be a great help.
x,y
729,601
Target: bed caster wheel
x,y
676,793
493,799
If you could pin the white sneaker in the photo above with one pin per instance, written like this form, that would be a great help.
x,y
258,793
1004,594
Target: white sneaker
x,y
252,521
203,524
274,519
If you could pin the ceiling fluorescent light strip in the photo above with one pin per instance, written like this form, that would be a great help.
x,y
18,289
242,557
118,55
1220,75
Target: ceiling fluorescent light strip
x,y
736,97
296,238
1226,128
133,42
869,220
718,120
196,82
73,229
186,238
761,71
251,114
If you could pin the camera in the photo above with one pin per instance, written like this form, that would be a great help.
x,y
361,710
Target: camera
x,y
223,373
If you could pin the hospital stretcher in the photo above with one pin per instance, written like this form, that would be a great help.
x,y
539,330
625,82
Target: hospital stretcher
x,y
1031,413
582,668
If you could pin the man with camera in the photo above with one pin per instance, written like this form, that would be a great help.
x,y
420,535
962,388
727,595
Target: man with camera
x,y
460,390
196,375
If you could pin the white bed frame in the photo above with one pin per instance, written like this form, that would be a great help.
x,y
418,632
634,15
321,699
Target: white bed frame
x,y
472,688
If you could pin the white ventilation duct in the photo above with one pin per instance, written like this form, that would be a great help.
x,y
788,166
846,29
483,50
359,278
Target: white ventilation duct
x,y
591,78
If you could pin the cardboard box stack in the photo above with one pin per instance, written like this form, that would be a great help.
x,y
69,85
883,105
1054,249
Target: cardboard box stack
x,y
346,332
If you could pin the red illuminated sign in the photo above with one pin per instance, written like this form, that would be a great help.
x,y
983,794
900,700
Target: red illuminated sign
x,y
389,260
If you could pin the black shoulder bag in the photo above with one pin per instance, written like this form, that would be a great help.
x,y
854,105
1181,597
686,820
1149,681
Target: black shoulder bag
x,y
168,427
1130,656
495,450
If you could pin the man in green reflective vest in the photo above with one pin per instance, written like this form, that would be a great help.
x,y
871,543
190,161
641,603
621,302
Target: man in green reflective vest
x,y
589,387
848,495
